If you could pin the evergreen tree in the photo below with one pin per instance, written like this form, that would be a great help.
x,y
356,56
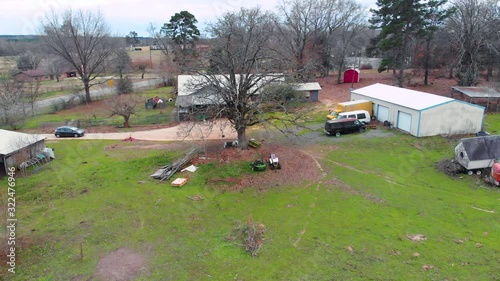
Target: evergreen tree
x,y
183,32
400,21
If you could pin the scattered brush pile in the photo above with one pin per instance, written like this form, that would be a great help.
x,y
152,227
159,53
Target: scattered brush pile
x,y
450,167
251,236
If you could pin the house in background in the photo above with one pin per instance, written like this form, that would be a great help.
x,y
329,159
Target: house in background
x,y
42,75
194,92
17,148
33,75
421,114
487,97
351,75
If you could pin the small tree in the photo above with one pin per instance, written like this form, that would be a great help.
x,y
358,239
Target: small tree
x,y
121,62
32,93
124,86
13,107
28,61
142,65
124,106
56,66
131,38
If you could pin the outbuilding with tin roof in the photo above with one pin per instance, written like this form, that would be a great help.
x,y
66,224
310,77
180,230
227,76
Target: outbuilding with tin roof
x,y
421,114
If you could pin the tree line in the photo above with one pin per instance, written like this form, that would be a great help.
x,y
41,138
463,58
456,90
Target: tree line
x,y
301,39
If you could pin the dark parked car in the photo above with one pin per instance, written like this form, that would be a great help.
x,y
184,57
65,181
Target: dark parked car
x,y
68,131
337,127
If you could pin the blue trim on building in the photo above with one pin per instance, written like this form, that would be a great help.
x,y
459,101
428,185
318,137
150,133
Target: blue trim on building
x,y
418,126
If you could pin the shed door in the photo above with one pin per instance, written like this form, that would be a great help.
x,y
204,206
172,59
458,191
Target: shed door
x,y
404,121
382,113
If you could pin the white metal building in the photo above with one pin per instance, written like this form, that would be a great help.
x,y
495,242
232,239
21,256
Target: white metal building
x,y
421,114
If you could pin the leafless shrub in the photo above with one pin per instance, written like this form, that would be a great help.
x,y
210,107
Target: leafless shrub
x,y
251,235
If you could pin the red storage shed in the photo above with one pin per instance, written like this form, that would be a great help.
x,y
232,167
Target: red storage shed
x,y
351,75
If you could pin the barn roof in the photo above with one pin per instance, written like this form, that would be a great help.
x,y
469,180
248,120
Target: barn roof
x,y
34,72
305,87
404,97
189,84
477,92
482,148
11,141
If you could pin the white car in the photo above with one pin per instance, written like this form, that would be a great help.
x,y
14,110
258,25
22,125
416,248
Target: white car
x,y
361,115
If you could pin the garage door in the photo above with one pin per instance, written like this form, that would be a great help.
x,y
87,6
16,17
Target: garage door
x,y
382,113
404,121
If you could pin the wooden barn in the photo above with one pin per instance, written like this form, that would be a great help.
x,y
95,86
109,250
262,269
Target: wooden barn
x,y
351,75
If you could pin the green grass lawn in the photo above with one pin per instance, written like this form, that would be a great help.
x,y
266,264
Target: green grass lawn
x,y
97,113
351,225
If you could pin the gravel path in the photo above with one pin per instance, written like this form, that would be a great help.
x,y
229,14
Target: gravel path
x,y
199,131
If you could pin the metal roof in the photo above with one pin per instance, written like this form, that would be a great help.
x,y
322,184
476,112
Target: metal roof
x,y
482,148
306,87
11,141
477,92
400,96
189,84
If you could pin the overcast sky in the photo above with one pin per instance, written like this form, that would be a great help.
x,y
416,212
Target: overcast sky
x,y
123,16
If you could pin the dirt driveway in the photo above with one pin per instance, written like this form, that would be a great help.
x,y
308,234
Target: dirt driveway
x,y
183,131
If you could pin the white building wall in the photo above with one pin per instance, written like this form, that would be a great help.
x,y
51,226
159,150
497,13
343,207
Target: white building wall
x,y
452,118
393,112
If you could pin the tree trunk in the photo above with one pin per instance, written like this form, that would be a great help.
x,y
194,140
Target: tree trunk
x,y
125,123
339,75
401,77
242,137
427,59
489,72
86,85
142,75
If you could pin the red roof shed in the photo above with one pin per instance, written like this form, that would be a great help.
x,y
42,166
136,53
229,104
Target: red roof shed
x,y
351,75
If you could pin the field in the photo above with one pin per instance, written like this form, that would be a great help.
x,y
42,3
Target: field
x,y
96,115
358,209
369,206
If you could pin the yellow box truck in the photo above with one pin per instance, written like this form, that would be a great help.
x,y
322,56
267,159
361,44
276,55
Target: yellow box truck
x,y
351,106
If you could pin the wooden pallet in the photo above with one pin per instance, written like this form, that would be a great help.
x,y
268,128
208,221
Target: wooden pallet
x,y
179,182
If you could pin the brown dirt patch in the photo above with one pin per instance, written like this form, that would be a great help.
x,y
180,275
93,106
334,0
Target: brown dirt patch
x,y
120,265
332,93
296,166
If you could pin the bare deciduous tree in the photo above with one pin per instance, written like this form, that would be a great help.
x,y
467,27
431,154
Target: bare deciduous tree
x,y
56,66
471,26
31,92
243,62
28,60
124,106
82,39
142,65
121,62
13,105
302,22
